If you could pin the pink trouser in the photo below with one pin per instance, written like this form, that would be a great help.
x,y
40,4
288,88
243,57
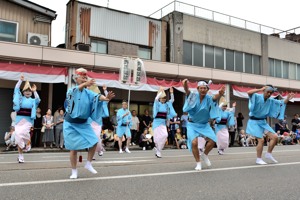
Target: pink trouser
x,y
160,137
22,134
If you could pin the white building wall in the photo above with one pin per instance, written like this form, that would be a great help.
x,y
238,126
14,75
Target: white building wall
x,y
221,35
283,49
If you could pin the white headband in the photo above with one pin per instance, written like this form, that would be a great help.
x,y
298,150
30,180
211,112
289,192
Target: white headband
x,y
203,83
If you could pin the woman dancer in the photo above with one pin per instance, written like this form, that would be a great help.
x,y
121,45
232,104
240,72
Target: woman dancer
x,y
162,111
25,106
221,128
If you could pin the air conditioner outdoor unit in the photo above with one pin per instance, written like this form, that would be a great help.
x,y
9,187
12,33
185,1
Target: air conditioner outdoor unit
x,y
37,39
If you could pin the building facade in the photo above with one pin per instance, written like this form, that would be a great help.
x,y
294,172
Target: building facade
x,y
174,46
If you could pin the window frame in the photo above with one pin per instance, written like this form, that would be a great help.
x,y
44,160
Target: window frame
x,y
17,28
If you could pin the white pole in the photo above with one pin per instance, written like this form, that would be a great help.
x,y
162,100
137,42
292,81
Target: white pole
x,y
129,97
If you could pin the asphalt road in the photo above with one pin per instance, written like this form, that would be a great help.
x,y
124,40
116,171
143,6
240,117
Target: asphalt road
x,y
140,175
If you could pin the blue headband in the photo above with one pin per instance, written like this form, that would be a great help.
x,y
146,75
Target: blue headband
x,y
272,89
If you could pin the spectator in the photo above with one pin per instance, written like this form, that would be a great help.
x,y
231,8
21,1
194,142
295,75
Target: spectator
x,y
113,120
243,138
180,140
146,120
184,120
59,137
146,140
174,125
108,137
251,140
48,136
295,123
283,127
36,138
298,136
239,122
286,139
135,128
9,138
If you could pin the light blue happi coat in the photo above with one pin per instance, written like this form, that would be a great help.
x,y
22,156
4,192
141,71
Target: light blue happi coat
x,y
229,115
261,109
199,114
20,101
83,105
167,108
121,130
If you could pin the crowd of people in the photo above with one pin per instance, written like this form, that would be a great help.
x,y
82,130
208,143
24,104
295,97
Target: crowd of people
x,y
205,123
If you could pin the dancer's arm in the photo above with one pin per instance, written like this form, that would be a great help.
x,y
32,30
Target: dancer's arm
x,y
172,95
221,93
250,92
186,87
19,82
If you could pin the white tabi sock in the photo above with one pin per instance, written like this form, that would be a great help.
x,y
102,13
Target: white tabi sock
x,y
74,174
89,167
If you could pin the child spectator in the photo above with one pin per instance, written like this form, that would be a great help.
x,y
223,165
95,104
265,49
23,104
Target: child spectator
x,y
180,140
9,138
243,137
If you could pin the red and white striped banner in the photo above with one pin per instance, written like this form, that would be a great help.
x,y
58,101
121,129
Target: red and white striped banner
x,y
152,85
241,91
33,73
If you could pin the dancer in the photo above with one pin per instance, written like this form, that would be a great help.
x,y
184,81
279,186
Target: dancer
x,y
201,107
78,133
162,111
262,106
25,106
124,119
221,128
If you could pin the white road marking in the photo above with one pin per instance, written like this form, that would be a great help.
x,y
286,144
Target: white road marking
x,y
143,175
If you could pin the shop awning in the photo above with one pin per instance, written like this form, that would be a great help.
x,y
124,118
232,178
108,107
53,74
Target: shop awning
x,y
33,73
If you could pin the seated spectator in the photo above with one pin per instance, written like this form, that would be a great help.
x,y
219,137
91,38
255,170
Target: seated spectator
x,y
282,125
243,137
250,141
116,142
108,137
298,136
180,140
280,137
146,140
9,138
287,139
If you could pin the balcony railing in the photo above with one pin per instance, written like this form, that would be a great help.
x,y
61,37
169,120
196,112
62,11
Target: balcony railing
x,y
221,18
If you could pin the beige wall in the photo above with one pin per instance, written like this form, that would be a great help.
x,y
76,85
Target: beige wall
x,y
24,17
284,50
220,35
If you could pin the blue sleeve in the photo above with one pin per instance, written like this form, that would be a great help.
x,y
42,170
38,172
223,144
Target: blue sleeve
x,y
190,101
17,98
277,109
214,110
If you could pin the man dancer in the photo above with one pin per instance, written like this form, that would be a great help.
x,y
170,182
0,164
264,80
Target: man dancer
x,y
82,104
25,106
201,107
124,119
262,106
